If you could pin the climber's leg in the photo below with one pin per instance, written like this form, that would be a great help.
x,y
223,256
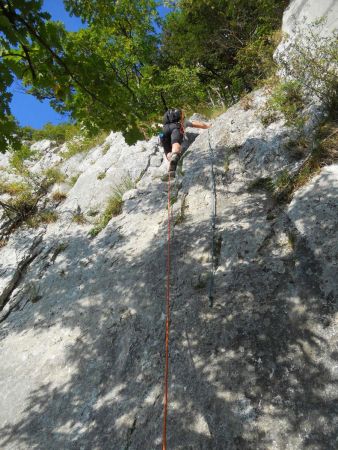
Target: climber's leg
x,y
176,141
175,156
174,149
168,155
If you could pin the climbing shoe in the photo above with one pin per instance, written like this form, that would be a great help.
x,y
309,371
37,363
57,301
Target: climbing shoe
x,y
173,162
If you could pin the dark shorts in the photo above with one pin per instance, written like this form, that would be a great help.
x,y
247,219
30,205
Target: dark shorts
x,y
171,135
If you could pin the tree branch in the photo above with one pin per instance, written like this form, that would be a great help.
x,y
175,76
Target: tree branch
x,y
12,16
20,55
25,49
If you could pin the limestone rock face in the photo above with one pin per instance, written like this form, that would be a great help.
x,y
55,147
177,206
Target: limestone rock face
x,y
301,14
253,330
4,162
314,211
20,251
253,324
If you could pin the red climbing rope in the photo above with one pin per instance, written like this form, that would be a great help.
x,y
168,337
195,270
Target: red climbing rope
x,y
166,369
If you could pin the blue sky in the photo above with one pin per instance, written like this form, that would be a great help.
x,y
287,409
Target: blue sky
x,y
26,108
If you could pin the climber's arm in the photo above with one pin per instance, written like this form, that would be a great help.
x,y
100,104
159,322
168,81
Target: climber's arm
x,y
196,124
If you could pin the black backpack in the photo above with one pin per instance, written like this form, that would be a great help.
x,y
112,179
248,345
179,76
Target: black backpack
x,y
172,116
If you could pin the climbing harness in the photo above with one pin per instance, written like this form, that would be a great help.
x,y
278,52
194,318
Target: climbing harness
x,y
213,226
167,323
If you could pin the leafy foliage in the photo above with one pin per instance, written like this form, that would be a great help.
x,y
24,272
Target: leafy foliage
x,y
111,74
19,156
41,217
59,133
79,218
53,175
25,203
25,31
12,188
220,38
59,196
287,98
94,73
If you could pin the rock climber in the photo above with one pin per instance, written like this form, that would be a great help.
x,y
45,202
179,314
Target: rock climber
x,y
174,125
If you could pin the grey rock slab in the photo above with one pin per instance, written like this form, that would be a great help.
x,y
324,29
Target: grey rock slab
x,y
43,146
145,184
129,194
21,248
82,364
267,290
97,183
49,156
71,166
198,117
81,162
75,285
314,211
157,172
139,147
134,164
4,160
302,13
156,160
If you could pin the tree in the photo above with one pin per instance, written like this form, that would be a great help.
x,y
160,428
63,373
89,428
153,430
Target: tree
x,y
94,73
211,34
111,73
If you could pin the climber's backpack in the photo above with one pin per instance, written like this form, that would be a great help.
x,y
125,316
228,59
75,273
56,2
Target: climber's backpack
x,y
172,116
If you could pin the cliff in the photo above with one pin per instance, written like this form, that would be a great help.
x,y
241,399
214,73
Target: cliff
x,y
83,318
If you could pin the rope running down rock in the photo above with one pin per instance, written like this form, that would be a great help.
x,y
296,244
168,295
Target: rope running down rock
x,y
167,329
213,225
